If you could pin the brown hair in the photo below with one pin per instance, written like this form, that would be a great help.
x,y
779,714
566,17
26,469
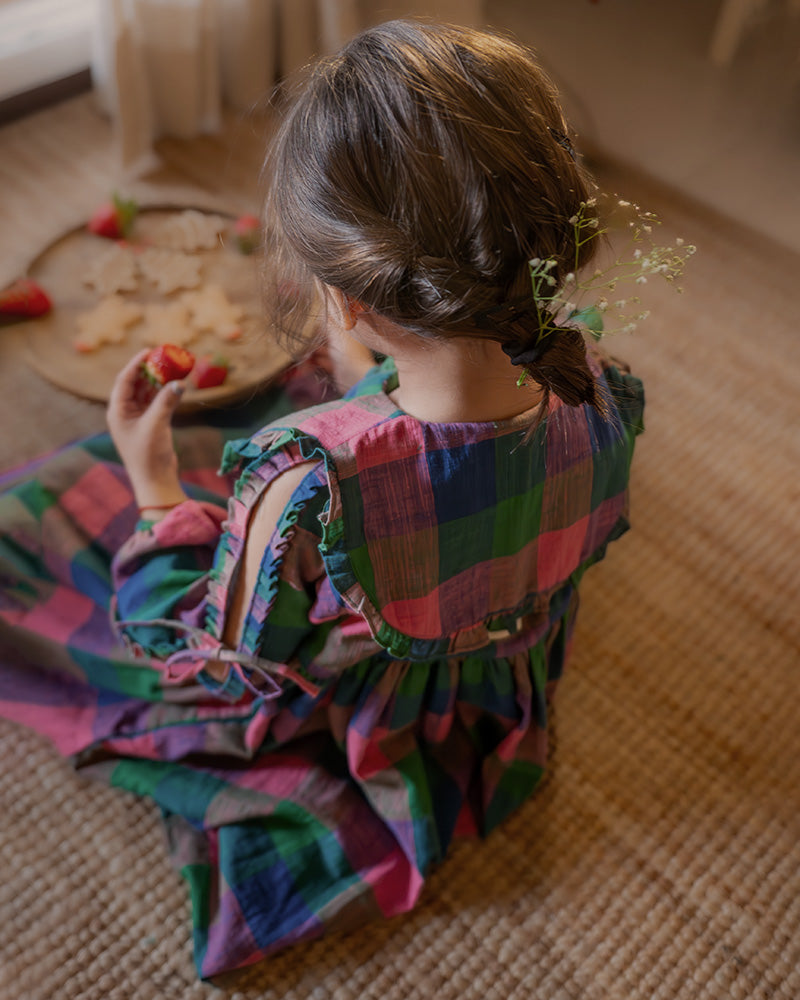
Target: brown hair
x,y
418,171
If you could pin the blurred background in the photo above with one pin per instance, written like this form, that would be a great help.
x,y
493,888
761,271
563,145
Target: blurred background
x,y
703,95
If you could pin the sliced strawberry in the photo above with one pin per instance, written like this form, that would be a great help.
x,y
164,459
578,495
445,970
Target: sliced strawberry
x,y
23,299
114,219
167,363
247,230
209,371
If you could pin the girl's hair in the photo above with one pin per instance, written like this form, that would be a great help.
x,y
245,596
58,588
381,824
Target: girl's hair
x,y
418,171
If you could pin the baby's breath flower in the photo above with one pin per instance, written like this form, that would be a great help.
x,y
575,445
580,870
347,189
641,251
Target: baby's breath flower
x,y
535,262
642,259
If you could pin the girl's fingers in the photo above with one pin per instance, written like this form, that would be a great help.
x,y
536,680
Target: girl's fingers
x,y
126,392
166,400
124,387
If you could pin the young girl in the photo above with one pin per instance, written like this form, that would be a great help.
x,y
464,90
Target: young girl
x,y
325,682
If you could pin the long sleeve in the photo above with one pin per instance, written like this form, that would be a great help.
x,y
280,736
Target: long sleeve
x,y
162,571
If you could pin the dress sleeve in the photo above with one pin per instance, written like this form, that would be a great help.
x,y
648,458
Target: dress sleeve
x,y
162,572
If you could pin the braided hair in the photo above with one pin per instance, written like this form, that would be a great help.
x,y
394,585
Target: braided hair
x,y
418,171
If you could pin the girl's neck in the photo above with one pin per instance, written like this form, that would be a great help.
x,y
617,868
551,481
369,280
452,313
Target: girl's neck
x,y
461,380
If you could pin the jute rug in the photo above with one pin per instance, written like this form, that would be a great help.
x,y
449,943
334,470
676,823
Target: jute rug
x,y
661,859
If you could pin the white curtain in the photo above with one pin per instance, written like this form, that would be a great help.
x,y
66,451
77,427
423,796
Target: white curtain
x,y
166,67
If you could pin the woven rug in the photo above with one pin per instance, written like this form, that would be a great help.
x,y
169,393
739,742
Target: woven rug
x,y
661,859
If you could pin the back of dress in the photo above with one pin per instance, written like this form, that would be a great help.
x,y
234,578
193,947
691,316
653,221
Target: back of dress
x,y
446,537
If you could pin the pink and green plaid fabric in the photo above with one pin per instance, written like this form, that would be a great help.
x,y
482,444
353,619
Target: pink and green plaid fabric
x,y
412,615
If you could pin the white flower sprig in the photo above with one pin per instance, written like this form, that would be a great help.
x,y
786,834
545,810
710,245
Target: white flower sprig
x,y
578,300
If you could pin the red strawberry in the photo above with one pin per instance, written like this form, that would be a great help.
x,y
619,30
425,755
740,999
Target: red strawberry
x,y
23,299
247,229
167,363
114,219
211,370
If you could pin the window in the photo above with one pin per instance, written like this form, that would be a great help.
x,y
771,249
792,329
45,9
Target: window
x,y
42,41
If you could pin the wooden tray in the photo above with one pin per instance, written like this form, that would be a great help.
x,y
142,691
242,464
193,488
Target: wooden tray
x,y
60,269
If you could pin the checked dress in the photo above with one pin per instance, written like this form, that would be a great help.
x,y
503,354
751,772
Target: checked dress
x,y
411,617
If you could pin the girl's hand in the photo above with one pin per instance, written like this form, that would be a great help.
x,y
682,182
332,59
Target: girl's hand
x,y
139,417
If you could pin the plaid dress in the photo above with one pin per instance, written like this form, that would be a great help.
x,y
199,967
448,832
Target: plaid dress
x,y
411,617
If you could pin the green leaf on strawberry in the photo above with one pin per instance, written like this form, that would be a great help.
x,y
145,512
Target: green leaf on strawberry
x,y
115,218
247,230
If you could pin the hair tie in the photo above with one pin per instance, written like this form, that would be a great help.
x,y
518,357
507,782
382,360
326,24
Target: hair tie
x,y
528,355
563,141
498,317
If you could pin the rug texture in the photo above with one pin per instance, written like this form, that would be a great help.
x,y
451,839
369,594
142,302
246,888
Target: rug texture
x,y
661,858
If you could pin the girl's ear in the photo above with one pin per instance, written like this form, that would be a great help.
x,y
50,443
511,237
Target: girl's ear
x,y
352,309
349,308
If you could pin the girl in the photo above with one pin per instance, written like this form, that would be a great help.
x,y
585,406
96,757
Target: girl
x,y
324,683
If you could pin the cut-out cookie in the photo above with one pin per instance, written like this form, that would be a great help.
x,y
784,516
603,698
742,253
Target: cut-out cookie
x,y
106,323
170,270
114,271
212,310
167,324
191,230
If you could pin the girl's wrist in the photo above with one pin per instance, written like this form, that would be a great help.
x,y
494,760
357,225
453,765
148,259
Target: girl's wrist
x,y
155,504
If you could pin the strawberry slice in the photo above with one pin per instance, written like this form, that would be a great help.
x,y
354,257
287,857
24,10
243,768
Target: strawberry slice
x,y
209,371
247,230
167,363
114,219
23,299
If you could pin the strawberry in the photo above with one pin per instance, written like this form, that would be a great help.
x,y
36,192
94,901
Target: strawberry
x,y
23,299
211,370
114,219
247,229
167,363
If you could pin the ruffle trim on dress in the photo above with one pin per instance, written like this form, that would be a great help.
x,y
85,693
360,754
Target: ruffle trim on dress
x,y
200,648
254,479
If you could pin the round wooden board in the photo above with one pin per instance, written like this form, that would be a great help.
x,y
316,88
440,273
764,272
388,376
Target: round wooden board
x,y
61,269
